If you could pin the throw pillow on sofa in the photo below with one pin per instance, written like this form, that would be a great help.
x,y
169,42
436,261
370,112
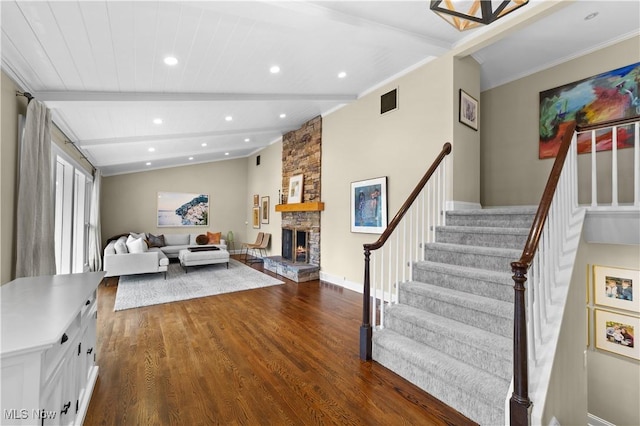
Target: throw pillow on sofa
x,y
121,246
202,240
136,245
214,238
138,235
156,241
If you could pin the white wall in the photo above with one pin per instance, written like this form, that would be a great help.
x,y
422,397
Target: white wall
x,y
265,180
613,380
129,201
359,143
511,173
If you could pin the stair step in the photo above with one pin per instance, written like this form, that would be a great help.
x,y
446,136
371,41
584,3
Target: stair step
x,y
491,258
481,282
508,217
484,236
485,313
480,348
473,392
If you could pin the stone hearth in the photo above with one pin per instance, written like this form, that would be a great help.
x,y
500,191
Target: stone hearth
x,y
298,272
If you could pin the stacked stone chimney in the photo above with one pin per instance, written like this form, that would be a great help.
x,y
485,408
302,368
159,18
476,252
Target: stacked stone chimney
x,y
302,154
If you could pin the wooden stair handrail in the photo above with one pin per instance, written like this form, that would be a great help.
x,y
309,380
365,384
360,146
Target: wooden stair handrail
x,y
446,150
365,328
520,402
606,124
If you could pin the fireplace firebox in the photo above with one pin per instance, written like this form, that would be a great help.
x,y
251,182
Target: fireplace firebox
x,y
295,245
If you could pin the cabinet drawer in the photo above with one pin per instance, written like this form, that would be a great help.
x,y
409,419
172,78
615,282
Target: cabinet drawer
x,y
53,355
88,305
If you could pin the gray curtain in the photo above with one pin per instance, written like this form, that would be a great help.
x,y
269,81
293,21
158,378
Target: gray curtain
x,y
95,237
35,233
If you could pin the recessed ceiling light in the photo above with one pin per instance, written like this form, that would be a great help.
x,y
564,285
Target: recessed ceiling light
x,y
342,74
157,121
171,61
590,16
190,158
226,153
228,118
274,69
204,144
283,115
151,149
148,163
247,140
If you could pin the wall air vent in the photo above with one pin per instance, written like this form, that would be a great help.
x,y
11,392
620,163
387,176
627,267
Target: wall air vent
x,y
389,101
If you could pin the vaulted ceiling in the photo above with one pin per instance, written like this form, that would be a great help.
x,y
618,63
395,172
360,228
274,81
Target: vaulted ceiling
x,y
100,65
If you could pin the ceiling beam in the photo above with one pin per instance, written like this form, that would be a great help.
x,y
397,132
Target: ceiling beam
x,y
82,96
88,143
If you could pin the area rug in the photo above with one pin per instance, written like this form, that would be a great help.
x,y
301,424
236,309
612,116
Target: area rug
x,y
135,291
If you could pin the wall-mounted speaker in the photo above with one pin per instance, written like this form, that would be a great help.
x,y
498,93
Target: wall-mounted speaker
x,y
389,101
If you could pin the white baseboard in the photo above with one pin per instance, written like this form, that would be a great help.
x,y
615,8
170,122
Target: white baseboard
x,y
597,421
341,281
461,205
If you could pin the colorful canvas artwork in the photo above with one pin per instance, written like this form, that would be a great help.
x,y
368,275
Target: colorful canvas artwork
x,y
369,206
182,209
607,96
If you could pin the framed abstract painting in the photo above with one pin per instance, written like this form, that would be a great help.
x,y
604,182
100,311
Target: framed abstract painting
x,y
608,96
369,205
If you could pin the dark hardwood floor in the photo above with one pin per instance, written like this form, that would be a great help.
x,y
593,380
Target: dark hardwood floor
x,y
281,355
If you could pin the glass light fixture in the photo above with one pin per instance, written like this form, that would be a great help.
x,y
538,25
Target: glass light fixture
x,y
467,14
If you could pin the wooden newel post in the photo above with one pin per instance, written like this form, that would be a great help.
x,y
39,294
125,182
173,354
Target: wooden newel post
x,y
520,402
365,328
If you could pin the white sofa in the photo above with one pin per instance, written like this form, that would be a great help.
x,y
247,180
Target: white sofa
x,y
153,259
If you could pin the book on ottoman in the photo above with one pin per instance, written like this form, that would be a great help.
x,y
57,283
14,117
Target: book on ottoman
x,y
204,248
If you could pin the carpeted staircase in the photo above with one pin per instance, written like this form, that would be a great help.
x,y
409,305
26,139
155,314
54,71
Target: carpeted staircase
x,y
451,332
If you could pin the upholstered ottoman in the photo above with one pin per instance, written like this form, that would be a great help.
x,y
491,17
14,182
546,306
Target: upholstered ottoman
x,y
195,257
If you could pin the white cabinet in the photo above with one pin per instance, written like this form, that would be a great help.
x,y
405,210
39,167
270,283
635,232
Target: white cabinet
x,y
48,349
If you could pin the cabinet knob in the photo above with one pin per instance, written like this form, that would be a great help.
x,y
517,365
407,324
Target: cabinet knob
x,y
89,351
64,338
65,408
88,303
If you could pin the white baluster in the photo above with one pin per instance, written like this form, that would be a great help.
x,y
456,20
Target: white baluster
x,y
373,287
614,166
636,165
594,171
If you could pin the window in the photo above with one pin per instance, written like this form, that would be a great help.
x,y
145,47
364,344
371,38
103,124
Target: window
x,y
72,205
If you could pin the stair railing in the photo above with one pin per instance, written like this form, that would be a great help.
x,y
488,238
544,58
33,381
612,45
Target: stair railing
x,y
543,252
412,227
559,200
618,128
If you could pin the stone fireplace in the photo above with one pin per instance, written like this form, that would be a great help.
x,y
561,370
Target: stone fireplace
x,y
301,155
295,247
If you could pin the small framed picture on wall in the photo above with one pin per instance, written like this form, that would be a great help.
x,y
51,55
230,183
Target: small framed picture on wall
x,y
256,217
469,110
616,288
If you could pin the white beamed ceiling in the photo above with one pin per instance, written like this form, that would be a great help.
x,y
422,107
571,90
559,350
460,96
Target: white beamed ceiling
x,y
99,65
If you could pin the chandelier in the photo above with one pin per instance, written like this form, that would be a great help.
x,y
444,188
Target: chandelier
x,y
467,14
